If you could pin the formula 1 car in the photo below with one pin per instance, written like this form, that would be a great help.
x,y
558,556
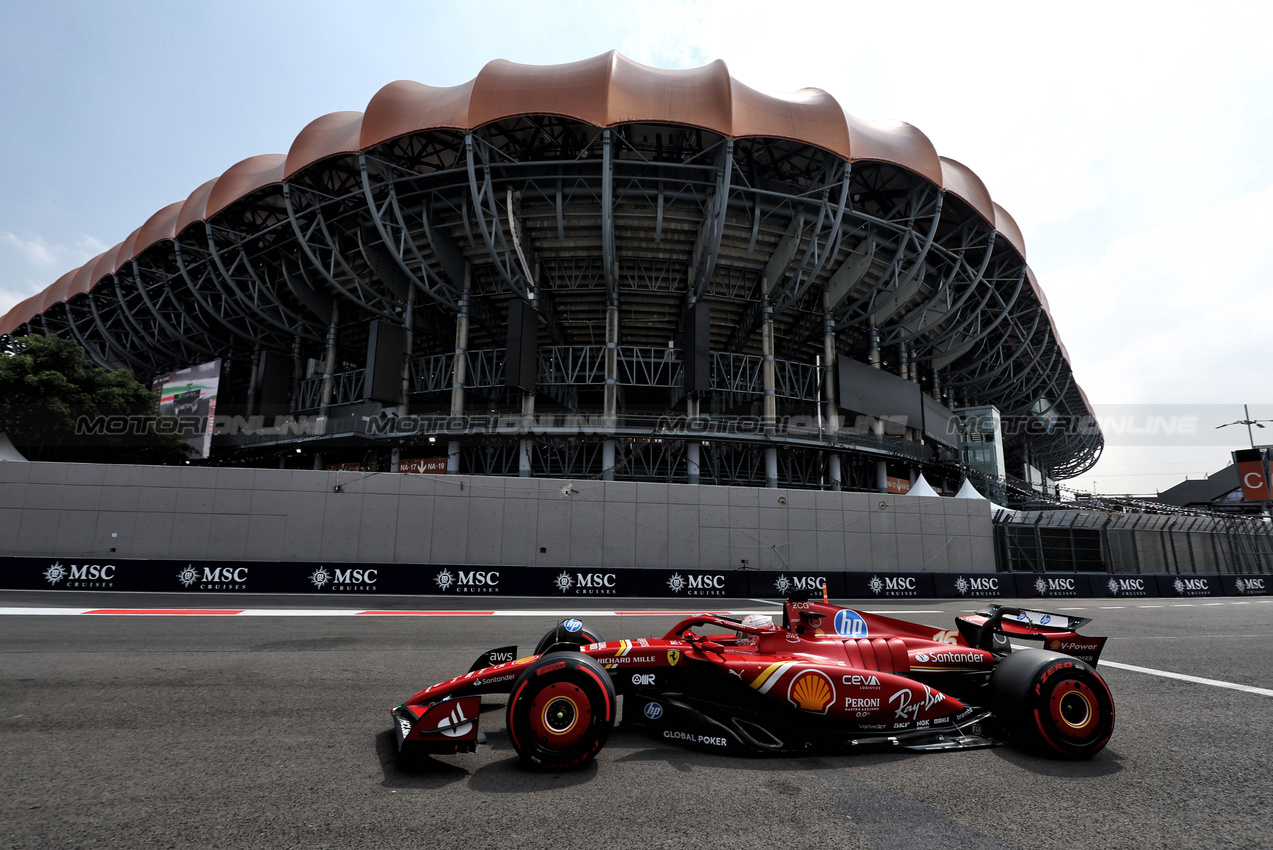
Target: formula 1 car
x,y
829,680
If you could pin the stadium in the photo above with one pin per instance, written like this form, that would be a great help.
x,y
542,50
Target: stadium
x,y
597,270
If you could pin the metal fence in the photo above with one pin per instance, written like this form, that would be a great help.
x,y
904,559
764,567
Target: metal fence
x,y
1087,541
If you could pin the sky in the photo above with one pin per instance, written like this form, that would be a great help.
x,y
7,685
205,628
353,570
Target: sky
x,y
1131,142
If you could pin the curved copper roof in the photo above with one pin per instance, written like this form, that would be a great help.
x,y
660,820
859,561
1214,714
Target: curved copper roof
x,y
604,91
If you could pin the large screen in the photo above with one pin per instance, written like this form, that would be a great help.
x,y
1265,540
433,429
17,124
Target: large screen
x,y
190,396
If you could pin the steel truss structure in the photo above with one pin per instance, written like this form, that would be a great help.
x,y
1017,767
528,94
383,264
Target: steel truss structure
x,y
885,254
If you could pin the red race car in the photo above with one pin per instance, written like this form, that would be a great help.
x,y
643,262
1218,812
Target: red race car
x,y
829,680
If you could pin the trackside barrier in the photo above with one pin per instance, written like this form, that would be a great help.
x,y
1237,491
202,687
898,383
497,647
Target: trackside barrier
x,y
298,577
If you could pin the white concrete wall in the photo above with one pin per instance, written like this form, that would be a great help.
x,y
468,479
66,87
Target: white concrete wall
x,y
79,510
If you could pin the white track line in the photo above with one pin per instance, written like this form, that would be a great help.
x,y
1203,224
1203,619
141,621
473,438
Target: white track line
x,y
1215,683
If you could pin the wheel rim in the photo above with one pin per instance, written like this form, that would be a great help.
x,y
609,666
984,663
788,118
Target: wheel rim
x,y
560,715
1075,710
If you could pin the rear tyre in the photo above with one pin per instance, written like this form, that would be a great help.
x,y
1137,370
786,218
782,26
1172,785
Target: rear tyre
x,y
567,633
1053,703
561,711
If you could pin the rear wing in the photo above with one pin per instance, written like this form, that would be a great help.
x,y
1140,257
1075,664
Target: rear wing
x,y
992,628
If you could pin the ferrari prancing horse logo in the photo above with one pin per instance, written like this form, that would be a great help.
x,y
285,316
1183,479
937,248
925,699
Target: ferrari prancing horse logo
x,y
673,656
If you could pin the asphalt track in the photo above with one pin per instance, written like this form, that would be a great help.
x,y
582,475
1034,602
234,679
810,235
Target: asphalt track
x,y
273,731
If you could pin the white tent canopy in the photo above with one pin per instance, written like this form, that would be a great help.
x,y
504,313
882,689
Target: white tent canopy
x,y
921,487
967,491
7,451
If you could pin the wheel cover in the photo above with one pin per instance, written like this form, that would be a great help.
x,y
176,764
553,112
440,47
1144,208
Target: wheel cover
x,y
1075,710
560,715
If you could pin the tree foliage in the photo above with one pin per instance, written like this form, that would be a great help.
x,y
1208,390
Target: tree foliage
x,y
49,390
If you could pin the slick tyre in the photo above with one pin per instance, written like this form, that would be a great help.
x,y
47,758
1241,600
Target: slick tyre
x,y
1053,703
561,711
572,632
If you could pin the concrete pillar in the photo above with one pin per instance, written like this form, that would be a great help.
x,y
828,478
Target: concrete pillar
x,y
459,372
409,320
254,381
770,415
298,372
881,467
610,411
329,373
528,421
831,414
329,362
692,468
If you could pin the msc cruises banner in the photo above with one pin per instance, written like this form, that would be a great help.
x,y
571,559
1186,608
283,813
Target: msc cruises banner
x,y
297,578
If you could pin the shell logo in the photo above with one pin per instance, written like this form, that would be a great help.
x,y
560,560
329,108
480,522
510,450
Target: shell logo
x,y
812,691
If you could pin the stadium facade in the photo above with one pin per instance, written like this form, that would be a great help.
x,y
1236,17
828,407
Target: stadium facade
x,y
597,270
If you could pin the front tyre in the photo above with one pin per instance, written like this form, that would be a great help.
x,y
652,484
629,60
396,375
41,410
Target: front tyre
x,y
1053,702
561,711
570,632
